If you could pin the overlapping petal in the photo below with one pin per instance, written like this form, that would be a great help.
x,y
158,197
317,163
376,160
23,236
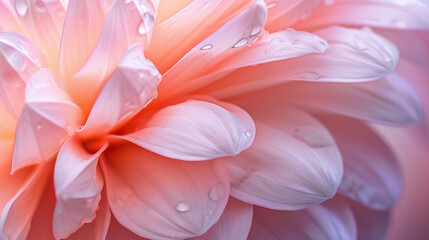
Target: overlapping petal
x,y
128,90
8,19
78,187
293,163
406,14
354,55
127,23
19,59
22,190
372,175
162,198
228,40
282,14
196,130
47,119
234,223
331,220
49,14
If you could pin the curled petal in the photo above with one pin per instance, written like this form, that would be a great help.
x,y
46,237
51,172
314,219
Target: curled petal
x,y
43,21
372,175
189,27
292,164
83,23
19,59
354,55
128,90
127,23
22,190
230,39
196,130
234,223
77,186
47,119
331,220
282,14
141,197
407,14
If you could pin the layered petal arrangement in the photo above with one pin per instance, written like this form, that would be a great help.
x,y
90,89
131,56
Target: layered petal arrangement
x,y
220,119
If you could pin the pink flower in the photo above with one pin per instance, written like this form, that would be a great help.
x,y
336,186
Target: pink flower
x,y
233,119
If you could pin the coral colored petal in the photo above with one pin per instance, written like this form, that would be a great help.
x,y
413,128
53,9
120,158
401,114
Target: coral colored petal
x,y
19,191
47,119
82,27
43,21
234,223
292,164
372,175
282,14
127,23
97,229
118,232
19,59
78,187
196,130
371,224
8,19
162,198
331,220
189,27
408,14
7,125
129,89
230,39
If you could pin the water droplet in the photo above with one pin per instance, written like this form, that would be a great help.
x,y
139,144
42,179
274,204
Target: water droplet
x,y
329,2
306,14
248,134
147,23
183,207
21,7
271,5
241,43
312,136
141,74
217,192
207,47
39,126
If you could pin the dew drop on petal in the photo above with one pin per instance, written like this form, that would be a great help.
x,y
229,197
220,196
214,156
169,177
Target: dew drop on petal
x,y
271,5
21,7
207,47
183,207
241,43
39,126
248,134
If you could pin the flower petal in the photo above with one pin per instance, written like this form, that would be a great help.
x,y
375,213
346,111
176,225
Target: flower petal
x,y
354,55
234,223
162,198
196,130
331,220
189,27
43,21
83,23
20,194
230,39
118,232
371,224
408,14
282,14
128,90
292,164
7,125
8,19
372,175
97,229
47,119
268,48
78,187
19,59
389,101
127,23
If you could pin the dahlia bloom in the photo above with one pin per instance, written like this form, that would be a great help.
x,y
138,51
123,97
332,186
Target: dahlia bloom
x,y
205,119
